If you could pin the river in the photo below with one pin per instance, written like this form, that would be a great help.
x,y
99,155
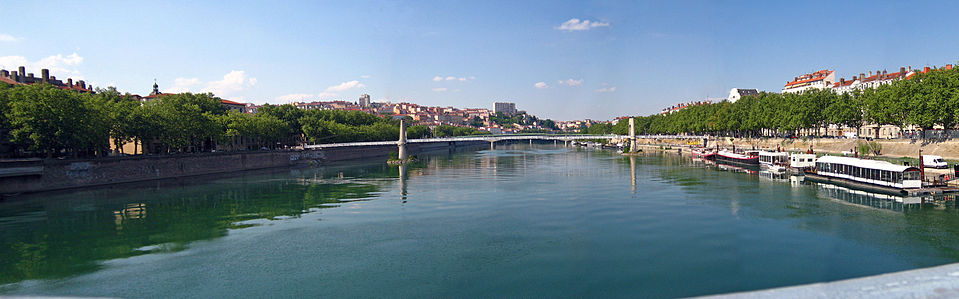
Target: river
x,y
517,221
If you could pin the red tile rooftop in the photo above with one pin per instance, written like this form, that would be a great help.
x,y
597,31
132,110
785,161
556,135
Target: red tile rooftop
x,y
8,81
75,87
817,76
158,95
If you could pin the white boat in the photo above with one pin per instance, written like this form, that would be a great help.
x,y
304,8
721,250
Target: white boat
x,y
870,175
774,161
800,161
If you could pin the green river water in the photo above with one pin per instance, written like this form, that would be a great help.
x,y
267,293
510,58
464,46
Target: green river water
x,y
518,221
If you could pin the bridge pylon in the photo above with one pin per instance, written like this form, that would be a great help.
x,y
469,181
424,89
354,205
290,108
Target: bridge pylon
x,y
632,134
402,142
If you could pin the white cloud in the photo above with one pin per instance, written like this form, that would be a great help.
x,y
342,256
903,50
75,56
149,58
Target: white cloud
x,y
182,85
440,89
186,82
332,91
453,78
12,62
59,59
575,24
571,82
346,86
8,38
606,89
326,95
60,66
541,85
296,97
232,82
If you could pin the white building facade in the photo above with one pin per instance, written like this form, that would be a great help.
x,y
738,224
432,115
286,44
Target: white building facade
x,y
817,80
737,93
863,82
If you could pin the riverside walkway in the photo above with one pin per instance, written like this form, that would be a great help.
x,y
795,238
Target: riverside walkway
x,y
934,282
496,138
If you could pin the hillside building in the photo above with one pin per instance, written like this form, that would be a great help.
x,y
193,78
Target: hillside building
x,y
504,107
365,101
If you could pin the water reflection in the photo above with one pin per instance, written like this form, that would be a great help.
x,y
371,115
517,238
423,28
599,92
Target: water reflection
x,y
59,235
512,214
875,200
632,174
403,169
781,177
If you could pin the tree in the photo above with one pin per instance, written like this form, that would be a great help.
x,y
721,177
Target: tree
x,y
600,129
50,120
186,122
417,132
289,115
476,121
846,111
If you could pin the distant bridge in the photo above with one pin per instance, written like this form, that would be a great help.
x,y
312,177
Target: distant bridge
x,y
495,138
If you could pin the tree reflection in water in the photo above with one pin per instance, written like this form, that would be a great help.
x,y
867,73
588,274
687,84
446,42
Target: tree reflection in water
x,y
49,236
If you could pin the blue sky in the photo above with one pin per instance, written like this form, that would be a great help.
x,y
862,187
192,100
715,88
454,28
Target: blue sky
x,y
632,58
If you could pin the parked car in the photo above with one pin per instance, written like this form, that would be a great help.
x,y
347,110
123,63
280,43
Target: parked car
x,y
934,161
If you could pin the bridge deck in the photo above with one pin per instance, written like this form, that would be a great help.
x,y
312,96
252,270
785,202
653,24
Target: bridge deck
x,y
495,138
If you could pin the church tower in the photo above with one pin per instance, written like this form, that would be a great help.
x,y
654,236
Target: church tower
x,y
156,88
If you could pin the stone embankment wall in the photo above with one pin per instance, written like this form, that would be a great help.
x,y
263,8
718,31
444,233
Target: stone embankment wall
x,y
890,148
64,174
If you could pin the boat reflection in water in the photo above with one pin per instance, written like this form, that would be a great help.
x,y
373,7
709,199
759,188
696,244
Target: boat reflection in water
x,y
775,176
875,200
737,167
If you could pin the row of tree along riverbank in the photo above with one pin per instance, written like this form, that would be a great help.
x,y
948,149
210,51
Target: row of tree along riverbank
x,y
926,100
892,148
42,120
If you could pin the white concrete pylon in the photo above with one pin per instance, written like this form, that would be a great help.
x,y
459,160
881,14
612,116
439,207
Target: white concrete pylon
x,y
402,142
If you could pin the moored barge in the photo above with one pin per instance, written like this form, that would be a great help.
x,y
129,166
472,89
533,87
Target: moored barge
x,y
869,175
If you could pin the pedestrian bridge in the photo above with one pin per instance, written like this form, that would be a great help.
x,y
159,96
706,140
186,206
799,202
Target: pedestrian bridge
x,y
495,138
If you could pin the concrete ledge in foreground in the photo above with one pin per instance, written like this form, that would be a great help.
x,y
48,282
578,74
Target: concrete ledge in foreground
x,y
935,282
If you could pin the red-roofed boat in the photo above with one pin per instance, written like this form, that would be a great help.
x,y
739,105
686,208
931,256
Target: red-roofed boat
x,y
746,158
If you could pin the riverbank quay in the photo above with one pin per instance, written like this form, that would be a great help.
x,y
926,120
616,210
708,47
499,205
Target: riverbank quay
x,y
948,149
39,175
934,282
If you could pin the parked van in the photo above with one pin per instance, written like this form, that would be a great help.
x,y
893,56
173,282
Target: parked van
x,y
933,161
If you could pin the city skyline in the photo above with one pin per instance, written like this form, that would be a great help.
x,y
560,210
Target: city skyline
x,y
556,60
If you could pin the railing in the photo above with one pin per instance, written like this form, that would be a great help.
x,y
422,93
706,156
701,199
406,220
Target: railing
x,y
495,138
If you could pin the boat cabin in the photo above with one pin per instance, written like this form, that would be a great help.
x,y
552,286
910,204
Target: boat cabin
x,y
799,161
773,158
874,172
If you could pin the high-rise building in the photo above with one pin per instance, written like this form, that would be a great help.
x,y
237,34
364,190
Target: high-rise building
x,y
365,101
504,107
